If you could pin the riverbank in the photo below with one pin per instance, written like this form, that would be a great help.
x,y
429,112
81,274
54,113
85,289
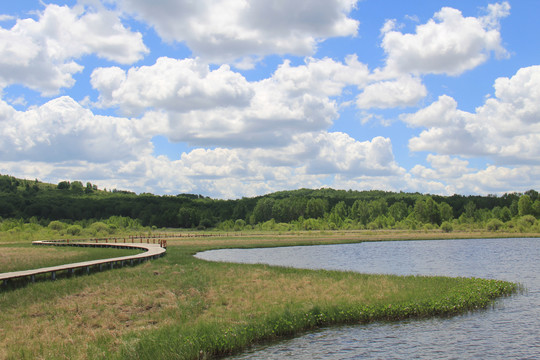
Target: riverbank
x,y
182,307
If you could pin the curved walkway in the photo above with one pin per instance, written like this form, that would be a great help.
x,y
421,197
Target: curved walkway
x,y
152,251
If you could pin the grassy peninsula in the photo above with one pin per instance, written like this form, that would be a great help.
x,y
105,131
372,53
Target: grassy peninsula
x,y
180,307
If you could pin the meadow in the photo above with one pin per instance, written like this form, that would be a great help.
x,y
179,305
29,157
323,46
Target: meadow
x,y
180,307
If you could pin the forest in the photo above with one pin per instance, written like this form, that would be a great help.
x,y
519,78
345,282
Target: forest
x,y
72,205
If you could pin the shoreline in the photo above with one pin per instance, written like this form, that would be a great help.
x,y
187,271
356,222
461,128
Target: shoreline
x,y
192,308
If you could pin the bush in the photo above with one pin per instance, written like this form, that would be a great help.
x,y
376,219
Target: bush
x,y
56,225
525,223
528,219
74,230
239,225
99,228
494,225
447,227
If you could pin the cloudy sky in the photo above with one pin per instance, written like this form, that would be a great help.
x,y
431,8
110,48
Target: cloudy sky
x,y
232,98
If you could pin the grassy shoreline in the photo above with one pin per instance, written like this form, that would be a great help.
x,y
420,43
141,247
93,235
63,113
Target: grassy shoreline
x,y
180,307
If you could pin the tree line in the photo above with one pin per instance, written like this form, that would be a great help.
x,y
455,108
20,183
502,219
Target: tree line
x,y
303,209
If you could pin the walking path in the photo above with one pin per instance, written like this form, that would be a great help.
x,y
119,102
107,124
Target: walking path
x,y
152,251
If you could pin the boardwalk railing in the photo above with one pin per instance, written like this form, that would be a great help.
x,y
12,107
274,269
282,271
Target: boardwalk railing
x,y
153,249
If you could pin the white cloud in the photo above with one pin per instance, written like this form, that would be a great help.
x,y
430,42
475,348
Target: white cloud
x,y
78,145
404,91
443,167
339,153
4,17
40,53
172,85
506,128
449,175
62,130
447,44
221,108
228,30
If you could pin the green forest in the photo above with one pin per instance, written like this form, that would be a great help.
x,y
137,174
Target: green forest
x,y
73,206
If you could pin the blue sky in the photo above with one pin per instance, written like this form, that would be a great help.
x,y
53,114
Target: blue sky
x,y
235,98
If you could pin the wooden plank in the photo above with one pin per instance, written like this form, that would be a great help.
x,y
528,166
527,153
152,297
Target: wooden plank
x,y
151,251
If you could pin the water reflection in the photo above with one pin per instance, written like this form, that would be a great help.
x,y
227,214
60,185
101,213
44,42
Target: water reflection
x,y
509,330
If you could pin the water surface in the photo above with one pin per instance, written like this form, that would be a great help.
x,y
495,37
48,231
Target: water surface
x,y
511,329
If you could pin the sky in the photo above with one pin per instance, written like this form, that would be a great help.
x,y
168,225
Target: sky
x,y
238,98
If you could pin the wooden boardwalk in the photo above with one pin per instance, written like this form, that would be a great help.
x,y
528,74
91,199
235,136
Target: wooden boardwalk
x,y
151,251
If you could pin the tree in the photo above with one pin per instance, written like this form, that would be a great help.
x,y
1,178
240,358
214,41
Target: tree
x,y
360,211
469,209
63,185
263,210
377,208
427,211
398,210
446,212
525,205
536,208
89,189
185,217
77,187
315,208
339,213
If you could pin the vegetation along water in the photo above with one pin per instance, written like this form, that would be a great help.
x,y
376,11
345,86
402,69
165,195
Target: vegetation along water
x,y
185,308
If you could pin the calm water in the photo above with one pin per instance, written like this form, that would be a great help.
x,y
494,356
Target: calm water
x,y
510,330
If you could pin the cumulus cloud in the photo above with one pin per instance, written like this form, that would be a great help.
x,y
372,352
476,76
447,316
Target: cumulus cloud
x,y
40,53
506,128
221,108
451,175
447,44
172,85
62,130
228,30
404,91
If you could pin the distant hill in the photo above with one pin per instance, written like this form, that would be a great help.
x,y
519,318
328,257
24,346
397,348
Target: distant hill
x,y
75,201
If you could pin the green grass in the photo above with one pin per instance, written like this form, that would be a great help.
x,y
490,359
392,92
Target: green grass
x,y
180,307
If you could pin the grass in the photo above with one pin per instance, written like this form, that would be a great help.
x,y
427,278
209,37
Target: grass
x,y
24,256
180,307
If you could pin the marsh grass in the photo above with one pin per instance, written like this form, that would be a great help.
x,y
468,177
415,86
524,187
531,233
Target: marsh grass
x,y
24,256
180,307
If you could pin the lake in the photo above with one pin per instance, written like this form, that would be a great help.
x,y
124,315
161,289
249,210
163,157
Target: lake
x,y
510,329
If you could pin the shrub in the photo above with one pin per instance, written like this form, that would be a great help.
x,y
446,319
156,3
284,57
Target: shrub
x,y
494,225
56,225
528,219
99,228
74,230
239,225
525,223
447,227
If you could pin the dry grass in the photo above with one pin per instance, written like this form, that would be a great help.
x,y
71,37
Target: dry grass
x,y
22,258
104,310
95,316
248,292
